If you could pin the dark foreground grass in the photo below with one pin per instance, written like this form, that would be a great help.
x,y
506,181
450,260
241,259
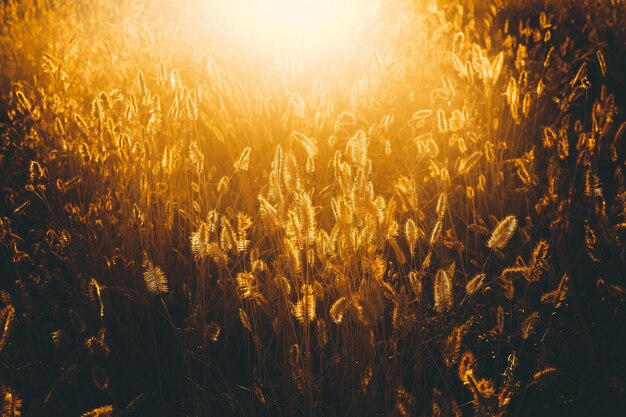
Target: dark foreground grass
x,y
430,221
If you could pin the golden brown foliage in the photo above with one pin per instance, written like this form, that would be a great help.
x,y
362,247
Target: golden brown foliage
x,y
502,233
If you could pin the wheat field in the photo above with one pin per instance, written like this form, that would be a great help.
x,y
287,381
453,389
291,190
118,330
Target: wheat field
x,y
417,208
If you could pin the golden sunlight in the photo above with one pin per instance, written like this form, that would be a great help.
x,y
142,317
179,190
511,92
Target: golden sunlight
x,y
299,24
312,208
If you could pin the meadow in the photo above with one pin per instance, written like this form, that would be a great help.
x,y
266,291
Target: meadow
x,y
420,213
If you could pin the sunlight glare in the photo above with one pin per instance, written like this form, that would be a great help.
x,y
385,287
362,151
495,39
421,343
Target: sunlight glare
x,y
300,24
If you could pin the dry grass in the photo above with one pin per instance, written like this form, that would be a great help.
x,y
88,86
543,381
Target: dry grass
x,y
432,223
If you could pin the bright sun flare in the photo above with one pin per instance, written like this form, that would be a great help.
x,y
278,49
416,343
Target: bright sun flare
x,y
312,24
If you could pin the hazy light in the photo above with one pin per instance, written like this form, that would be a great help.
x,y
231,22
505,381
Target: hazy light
x,y
306,24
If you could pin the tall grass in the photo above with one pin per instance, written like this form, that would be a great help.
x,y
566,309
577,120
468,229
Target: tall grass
x,y
430,222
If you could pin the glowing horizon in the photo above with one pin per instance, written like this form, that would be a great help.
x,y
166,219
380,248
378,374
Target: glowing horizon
x,y
322,25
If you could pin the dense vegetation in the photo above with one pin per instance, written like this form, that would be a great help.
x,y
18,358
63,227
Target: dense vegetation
x,y
431,222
